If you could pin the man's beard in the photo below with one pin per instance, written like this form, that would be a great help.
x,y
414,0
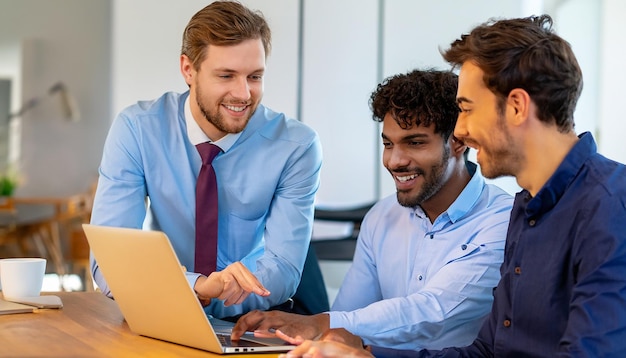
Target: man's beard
x,y
432,183
499,160
217,119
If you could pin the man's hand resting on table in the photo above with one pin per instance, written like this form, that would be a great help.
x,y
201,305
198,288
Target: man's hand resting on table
x,y
310,333
232,285
264,323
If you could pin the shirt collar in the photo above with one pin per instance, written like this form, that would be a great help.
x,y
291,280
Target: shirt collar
x,y
551,192
197,136
469,196
466,199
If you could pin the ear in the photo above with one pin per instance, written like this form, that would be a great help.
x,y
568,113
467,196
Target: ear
x,y
186,69
458,146
518,106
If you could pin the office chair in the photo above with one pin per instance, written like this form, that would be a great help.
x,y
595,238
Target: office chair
x,y
311,296
341,247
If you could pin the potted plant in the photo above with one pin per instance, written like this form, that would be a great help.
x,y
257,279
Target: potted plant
x,y
7,185
9,181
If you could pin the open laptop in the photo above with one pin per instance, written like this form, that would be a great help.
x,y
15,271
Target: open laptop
x,y
150,287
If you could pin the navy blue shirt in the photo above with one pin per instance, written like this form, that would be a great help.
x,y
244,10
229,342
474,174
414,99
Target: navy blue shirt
x,y
563,287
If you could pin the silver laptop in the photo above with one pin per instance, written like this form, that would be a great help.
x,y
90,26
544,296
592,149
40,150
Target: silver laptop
x,y
150,287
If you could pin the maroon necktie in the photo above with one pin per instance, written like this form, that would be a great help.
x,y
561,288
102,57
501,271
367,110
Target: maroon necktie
x,y
206,211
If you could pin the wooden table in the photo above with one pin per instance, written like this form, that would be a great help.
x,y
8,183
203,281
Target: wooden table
x,y
88,325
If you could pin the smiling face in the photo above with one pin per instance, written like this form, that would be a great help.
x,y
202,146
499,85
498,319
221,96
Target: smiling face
x,y
227,88
483,126
418,160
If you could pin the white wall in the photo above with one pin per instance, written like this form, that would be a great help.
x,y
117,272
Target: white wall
x,y
340,71
145,54
61,40
10,65
612,125
583,36
10,68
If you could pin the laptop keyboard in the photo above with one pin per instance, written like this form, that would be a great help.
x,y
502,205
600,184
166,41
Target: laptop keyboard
x,y
224,339
222,331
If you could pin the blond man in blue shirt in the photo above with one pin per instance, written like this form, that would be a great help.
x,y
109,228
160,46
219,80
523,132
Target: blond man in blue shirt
x,y
267,173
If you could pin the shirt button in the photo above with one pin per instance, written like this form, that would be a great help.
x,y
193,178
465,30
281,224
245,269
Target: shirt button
x,y
518,270
531,222
507,323
463,247
419,277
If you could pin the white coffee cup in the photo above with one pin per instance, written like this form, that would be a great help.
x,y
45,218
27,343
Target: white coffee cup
x,y
22,277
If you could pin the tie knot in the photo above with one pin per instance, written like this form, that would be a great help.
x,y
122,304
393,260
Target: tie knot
x,y
208,151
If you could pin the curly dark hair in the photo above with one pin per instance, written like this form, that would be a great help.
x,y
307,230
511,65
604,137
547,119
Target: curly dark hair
x,y
418,98
524,53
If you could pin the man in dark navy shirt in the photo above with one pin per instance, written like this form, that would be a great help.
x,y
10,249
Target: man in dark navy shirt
x,y
563,287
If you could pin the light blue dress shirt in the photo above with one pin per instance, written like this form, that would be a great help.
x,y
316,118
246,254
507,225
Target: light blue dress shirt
x,y
414,284
267,180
